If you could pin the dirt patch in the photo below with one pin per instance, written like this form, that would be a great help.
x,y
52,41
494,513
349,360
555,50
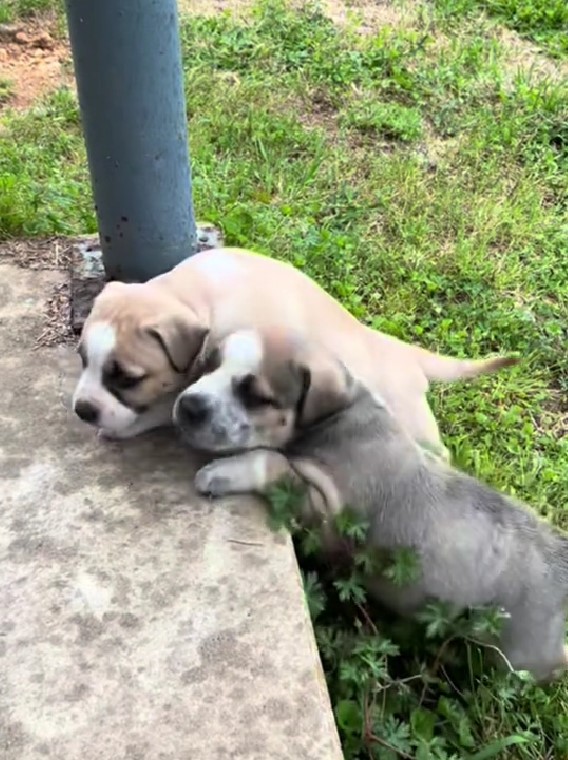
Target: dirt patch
x,y
554,419
213,7
53,253
33,61
525,56
372,15
57,330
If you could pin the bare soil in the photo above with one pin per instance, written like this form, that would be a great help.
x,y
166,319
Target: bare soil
x,y
33,62
372,13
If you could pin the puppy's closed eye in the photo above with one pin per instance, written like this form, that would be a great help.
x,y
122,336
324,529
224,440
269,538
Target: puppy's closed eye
x,y
252,395
118,377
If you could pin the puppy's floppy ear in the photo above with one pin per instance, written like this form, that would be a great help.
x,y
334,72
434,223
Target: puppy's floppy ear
x,y
181,337
326,387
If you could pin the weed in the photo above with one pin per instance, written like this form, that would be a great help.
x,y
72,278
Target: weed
x,y
422,689
5,90
389,120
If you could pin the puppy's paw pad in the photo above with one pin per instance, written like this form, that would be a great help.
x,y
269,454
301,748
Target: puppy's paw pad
x,y
210,482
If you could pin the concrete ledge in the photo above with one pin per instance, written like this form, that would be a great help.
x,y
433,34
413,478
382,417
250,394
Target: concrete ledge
x,y
136,621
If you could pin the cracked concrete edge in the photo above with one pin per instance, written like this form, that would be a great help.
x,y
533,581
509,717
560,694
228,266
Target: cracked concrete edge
x,y
175,626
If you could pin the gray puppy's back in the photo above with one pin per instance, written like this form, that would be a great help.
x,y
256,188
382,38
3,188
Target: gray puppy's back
x,y
476,545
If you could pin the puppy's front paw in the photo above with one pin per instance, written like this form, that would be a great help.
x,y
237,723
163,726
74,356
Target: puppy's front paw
x,y
211,481
114,435
108,435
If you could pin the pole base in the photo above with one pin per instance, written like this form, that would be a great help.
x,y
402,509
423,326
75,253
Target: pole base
x,y
88,275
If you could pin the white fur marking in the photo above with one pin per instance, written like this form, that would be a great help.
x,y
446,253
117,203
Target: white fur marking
x,y
242,354
99,342
260,470
244,350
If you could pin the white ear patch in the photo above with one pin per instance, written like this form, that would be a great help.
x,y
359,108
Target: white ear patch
x,y
99,341
243,352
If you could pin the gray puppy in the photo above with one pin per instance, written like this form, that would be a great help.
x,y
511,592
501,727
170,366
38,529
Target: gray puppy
x,y
475,545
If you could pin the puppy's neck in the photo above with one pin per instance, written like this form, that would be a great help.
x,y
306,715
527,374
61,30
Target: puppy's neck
x,y
358,396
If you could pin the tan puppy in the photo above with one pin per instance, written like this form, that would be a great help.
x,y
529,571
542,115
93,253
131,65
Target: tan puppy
x,y
140,341
341,443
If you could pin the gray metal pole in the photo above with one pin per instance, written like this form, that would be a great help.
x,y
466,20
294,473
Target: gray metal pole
x,y
129,77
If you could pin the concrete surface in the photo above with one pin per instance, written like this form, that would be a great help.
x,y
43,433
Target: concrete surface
x,y
136,621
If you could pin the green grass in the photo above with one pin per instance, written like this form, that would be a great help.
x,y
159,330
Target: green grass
x,y
44,180
542,21
11,10
5,90
392,121
414,180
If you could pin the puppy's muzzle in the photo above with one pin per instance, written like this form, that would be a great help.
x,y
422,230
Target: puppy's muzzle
x,y
193,409
87,412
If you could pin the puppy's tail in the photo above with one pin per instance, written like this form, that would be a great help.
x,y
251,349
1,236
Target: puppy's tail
x,y
447,368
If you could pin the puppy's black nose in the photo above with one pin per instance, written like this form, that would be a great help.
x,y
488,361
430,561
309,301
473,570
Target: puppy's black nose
x,y
87,412
193,408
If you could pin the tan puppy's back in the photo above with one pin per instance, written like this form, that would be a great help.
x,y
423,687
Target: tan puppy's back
x,y
251,290
254,290
246,289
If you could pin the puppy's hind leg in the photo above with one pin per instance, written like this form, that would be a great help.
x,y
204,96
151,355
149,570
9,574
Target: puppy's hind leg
x,y
533,639
426,431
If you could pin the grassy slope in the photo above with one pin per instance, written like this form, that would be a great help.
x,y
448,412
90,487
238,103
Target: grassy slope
x,y
543,21
424,185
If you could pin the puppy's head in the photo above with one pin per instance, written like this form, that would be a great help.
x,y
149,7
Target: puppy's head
x,y
258,389
137,347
